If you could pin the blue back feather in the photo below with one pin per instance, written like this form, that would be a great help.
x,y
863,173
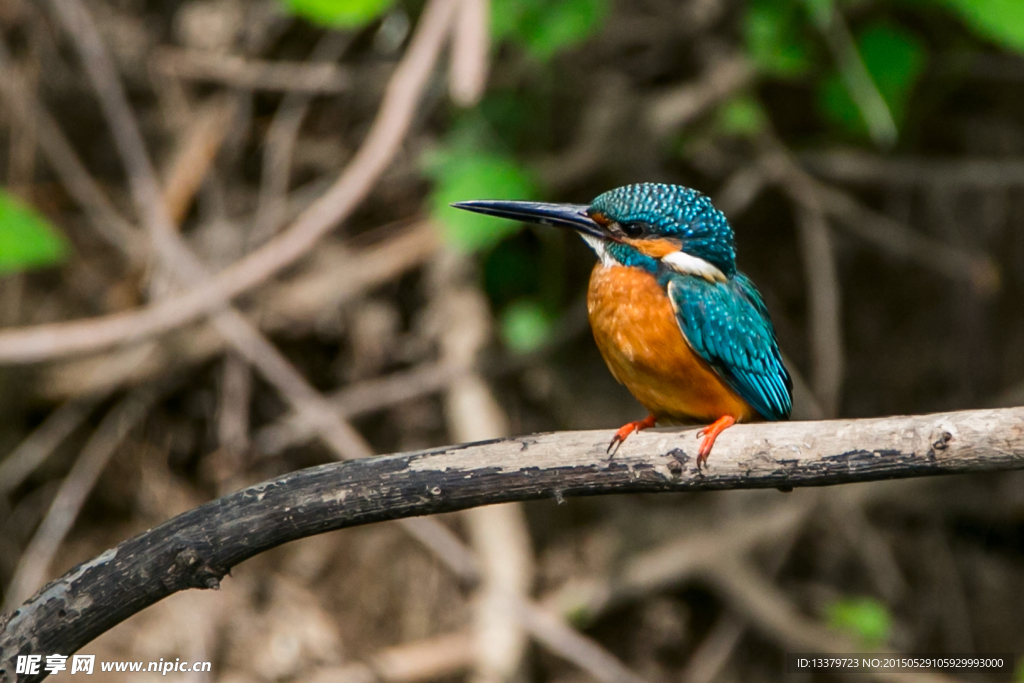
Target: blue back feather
x,y
727,324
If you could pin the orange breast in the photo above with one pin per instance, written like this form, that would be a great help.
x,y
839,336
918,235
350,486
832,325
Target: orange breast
x,y
636,331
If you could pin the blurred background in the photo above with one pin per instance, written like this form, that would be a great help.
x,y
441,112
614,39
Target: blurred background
x,y
869,153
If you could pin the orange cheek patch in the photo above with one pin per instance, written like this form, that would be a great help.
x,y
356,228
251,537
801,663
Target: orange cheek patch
x,y
655,248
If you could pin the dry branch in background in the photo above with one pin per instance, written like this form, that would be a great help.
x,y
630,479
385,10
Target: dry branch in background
x,y
198,548
825,301
426,660
171,251
471,43
250,74
862,168
38,445
24,106
882,231
373,157
279,147
73,492
333,277
680,105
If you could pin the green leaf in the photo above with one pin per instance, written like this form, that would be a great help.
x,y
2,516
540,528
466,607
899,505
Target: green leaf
x,y
1000,21
507,15
524,326
775,38
1018,676
546,27
838,107
821,11
476,175
27,240
338,13
866,619
895,59
742,116
565,24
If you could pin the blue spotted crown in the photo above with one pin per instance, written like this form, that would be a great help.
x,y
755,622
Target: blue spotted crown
x,y
674,211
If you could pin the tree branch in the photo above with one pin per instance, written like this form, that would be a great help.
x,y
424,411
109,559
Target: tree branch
x,y
198,548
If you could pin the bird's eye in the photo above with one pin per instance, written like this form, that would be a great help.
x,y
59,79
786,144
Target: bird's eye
x,y
634,230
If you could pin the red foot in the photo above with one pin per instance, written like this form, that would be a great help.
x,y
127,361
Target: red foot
x,y
627,429
710,433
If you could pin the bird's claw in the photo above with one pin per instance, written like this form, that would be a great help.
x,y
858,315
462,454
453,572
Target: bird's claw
x,y
704,450
708,435
625,430
620,436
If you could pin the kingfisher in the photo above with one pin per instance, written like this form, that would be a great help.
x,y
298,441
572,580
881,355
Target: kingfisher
x,y
675,321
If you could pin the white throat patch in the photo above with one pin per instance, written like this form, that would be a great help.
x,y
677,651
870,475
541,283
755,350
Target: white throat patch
x,y
681,262
598,245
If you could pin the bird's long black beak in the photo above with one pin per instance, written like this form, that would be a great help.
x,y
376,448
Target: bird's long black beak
x,y
572,216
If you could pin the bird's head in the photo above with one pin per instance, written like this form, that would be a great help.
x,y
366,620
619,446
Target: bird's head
x,y
647,225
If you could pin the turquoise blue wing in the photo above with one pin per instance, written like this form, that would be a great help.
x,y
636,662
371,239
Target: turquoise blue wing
x,y
727,324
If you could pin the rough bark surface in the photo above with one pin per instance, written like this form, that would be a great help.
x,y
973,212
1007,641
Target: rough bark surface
x,y
198,548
